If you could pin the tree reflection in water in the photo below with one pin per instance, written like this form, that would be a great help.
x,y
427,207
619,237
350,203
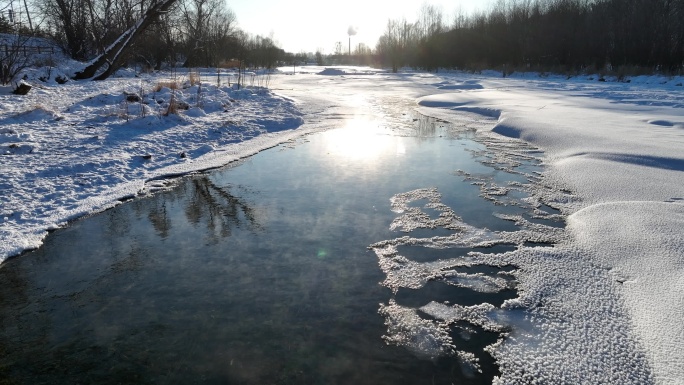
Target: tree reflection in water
x,y
159,217
204,203
70,307
220,210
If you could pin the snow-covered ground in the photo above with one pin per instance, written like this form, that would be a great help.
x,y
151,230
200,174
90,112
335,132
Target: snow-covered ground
x,y
620,149
77,148
72,149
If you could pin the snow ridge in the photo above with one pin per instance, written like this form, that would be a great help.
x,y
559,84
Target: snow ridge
x,y
618,148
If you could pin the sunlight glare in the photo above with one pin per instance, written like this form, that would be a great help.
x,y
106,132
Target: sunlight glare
x,y
361,139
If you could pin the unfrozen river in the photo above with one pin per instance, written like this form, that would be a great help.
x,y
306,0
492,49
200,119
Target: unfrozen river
x,y
338,258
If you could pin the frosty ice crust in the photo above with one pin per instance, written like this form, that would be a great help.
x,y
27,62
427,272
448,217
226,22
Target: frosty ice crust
x,y
618,149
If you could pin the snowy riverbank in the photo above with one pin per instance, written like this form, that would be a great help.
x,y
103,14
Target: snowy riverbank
x,y
620,149
73,149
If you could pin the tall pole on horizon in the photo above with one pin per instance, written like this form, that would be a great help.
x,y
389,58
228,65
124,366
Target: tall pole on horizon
x,y
351,31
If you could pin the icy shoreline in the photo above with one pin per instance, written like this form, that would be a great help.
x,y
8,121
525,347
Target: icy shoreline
x,y
79,148
619,149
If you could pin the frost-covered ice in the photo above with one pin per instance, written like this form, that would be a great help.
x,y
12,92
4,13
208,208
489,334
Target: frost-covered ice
x,y
618,148
73,149
604,304
567,325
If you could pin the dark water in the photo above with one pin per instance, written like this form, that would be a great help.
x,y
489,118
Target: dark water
x,y
259,273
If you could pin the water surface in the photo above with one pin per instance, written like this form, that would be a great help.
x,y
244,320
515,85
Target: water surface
x,y
258,273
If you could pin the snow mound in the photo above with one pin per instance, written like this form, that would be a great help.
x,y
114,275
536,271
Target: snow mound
x,y
332,72
648,267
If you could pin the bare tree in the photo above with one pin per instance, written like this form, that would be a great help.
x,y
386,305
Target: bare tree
x,y
70,19
393,45
13,57
162,42
113,56
28,16
16,44
207,26
430,21
460,17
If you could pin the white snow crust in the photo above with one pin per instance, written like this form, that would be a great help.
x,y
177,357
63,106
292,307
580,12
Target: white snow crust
x,y
620,149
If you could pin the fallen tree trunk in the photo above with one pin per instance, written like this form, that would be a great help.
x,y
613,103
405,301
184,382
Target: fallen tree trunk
x,y
112,57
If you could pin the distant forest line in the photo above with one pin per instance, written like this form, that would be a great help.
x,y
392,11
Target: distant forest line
x,y
547,35
619,36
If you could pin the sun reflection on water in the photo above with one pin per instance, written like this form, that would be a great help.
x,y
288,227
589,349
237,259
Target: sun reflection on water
x,y
361,139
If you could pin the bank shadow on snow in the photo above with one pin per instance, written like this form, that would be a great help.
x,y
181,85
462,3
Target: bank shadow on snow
x,y
507,130
336,71
464,85
461,107
665,123
461,87
661,162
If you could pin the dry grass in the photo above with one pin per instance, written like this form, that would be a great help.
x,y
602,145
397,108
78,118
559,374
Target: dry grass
x,y
173,106
171,84
40,109
229,64
176,105
193,78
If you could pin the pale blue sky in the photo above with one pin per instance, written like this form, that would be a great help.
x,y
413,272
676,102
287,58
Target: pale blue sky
x,y
306,25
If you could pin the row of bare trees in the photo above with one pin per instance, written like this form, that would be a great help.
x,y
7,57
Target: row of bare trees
x,y
403,42
111,33
558,35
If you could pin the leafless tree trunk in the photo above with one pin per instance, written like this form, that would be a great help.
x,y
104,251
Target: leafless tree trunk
x,y
28,16
112,57
207,25
430,21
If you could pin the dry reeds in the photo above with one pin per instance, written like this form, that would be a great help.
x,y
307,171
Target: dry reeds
x,y
173,106
170,84
193,77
